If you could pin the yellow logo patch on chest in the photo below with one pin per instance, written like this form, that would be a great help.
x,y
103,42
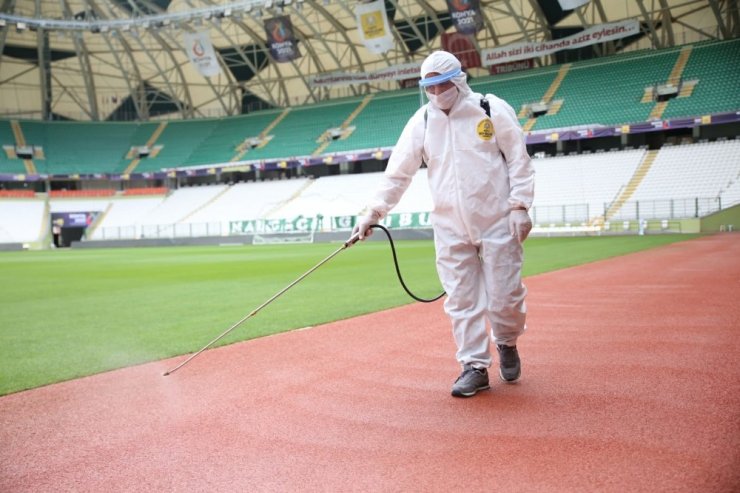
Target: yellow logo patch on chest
x,y
485,129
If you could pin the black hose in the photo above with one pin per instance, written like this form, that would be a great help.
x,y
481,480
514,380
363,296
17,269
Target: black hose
x,y
398,270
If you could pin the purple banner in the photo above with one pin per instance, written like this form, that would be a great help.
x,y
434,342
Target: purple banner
x,y
466,15
545,136
281,40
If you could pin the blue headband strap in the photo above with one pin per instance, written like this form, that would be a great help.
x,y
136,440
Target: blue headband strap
x,y
438,79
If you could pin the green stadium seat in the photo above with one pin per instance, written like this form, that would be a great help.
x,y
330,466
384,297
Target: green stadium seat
x,y
9,166
380,123
716,66
604,91
79,147
229,133
297,133
179,140
609,91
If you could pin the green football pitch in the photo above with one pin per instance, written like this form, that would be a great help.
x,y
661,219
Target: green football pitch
x,y
71,313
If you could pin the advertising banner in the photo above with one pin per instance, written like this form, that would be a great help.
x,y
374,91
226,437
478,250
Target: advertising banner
x,y
372,24
404,220
281,39
302,224
507,68
299,224
466,16
396,72
590,36
201,54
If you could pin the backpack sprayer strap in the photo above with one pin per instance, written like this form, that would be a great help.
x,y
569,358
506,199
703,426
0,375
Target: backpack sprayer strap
x,y
483,104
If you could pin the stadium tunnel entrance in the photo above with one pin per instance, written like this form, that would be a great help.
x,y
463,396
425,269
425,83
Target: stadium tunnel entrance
x,y
67,227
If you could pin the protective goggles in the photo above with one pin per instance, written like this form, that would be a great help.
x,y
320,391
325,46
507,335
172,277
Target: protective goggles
x,y
439,79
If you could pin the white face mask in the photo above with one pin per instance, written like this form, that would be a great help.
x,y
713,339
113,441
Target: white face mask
x,y
445,100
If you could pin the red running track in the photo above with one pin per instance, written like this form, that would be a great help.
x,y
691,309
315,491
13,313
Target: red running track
x,y
630,383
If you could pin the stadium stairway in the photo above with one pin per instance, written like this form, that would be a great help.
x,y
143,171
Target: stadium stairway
x,y
632,185
674,79
45,229
647,96
243,148
20,141
206,204
680,65
547,98
90,230
380,123
714,69
9,162
687,88
150,144
345,128
274,123
295,196
658,110
625,75
691,171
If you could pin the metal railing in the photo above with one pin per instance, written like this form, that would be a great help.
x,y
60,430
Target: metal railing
x,y
160,231
655,211
668,209
560,214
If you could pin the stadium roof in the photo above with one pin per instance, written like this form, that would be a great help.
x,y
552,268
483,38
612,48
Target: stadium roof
x,y
128,59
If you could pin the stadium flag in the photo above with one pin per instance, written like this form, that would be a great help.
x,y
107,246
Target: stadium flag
x,y
201,54
463,48
572,4
372,22
594,34
281,40
466,15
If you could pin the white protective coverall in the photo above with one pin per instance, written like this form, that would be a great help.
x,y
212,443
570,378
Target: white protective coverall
x,y
476,178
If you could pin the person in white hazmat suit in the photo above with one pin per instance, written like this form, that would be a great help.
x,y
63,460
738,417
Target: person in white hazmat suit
x,y
482,185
